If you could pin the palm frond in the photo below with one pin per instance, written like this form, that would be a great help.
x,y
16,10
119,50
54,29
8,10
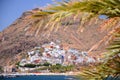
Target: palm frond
x,y
87,8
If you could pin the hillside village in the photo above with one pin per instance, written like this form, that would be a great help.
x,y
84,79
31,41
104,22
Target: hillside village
x,y
71,51
54,54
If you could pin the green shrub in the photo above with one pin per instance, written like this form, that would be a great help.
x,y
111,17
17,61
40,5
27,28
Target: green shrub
x,y
18,63
46,64
1,70
30,65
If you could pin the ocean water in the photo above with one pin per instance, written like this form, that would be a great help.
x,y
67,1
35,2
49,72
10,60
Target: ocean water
x,y
41,77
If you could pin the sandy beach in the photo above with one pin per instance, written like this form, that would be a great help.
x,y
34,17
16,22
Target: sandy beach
x,y
24,74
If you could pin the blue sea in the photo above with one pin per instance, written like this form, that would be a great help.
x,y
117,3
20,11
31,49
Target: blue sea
x,y
41,77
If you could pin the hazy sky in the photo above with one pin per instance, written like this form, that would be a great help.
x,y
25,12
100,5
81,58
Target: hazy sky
x,y
10,10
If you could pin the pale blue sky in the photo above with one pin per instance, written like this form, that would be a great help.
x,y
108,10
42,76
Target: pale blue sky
x,y
10,10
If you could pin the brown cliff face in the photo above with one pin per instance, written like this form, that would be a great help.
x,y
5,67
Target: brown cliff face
x,y
19,37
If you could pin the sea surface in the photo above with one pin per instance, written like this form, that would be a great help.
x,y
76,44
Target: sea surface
x,y
41,77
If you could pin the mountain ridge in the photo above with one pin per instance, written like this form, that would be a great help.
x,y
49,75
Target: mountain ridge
x,y
20,37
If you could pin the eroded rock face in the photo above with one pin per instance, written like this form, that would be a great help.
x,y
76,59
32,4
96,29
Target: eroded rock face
x,y
19,37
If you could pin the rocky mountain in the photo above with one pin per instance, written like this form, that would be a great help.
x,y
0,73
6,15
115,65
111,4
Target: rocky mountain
x,y
21,36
